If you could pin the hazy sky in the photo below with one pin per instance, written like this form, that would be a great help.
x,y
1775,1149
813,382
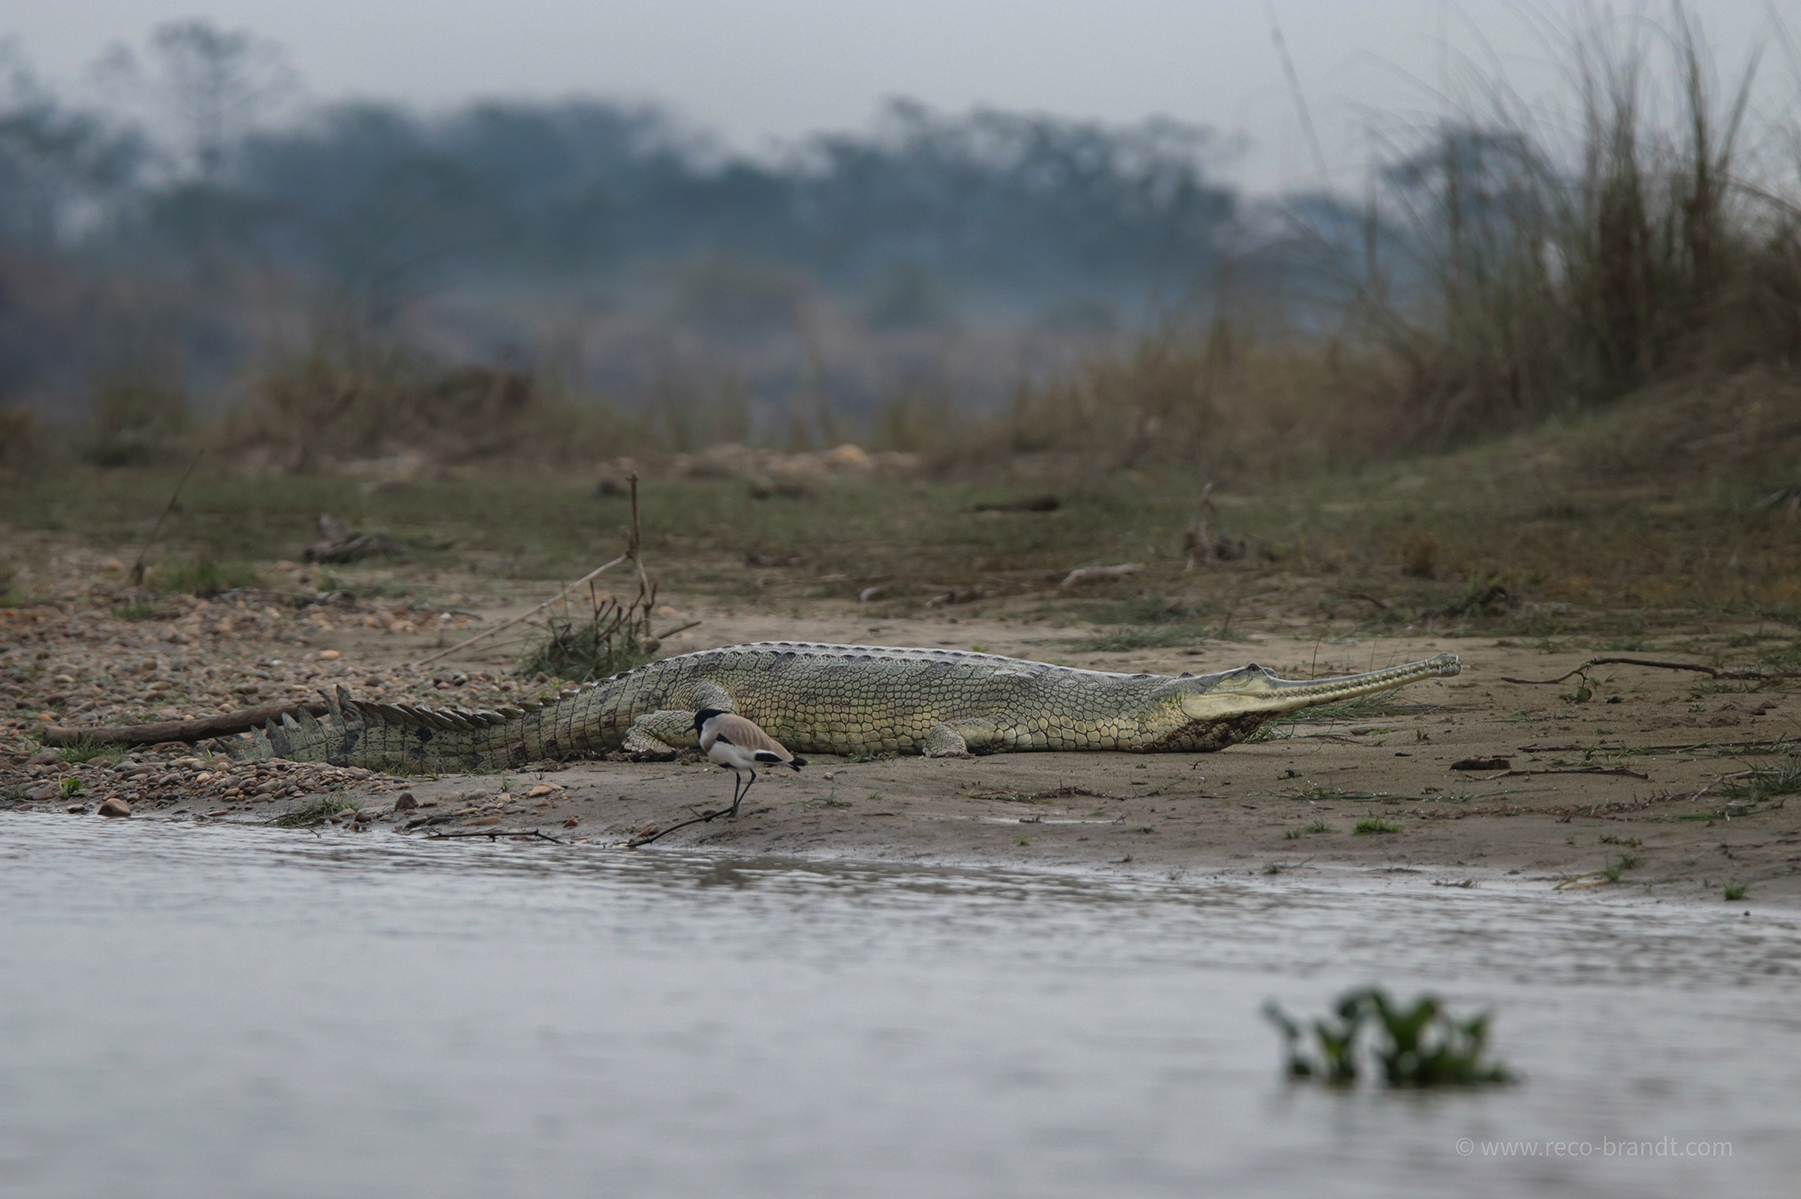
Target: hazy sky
x,y
758,72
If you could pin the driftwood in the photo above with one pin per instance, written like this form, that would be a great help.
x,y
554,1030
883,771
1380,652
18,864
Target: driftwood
x,y
1712,671
341,543
241,721
1093,574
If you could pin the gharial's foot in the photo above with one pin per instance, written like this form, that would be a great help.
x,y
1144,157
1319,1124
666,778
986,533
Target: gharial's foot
x,y
943,741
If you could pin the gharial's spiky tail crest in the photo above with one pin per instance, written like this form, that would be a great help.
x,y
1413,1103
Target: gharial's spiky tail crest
x,y
347,722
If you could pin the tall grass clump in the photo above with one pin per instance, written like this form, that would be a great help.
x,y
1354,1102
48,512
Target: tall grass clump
x,y
1535,279
1231,399
1506,266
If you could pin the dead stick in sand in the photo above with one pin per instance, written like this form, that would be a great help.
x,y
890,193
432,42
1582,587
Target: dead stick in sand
x,y
1707,670
241,721
705,818
504,832
137,569
526,616
633,538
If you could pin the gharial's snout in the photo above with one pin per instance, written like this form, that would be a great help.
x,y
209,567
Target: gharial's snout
x,y
1256,689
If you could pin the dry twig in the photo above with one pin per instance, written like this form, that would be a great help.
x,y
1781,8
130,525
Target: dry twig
x,y
137,568
1713,671
493,833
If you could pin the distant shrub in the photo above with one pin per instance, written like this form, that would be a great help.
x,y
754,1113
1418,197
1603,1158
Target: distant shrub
x,y
342,403
137,420
19,438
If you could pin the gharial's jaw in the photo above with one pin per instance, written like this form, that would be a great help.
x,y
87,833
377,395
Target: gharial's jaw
x,y
1255,689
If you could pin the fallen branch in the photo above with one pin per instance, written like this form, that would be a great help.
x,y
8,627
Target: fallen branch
x,y
241,721
1712,671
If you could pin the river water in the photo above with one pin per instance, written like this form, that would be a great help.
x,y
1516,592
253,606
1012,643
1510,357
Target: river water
x,y
240,1012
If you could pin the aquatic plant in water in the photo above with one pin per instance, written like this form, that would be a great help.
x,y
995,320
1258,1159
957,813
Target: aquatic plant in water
x,y
1418,1046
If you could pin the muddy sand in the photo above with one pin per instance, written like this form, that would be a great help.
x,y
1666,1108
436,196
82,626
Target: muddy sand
x,y
1658,781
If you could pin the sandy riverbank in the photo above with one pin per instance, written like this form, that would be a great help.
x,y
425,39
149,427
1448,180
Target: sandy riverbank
x,y
1648,778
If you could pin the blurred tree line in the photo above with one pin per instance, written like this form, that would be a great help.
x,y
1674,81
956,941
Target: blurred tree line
x,y
177,239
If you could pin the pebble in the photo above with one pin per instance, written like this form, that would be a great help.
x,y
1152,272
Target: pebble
x,y
114,807
486,820
540,789
572,822
42,792
405,802
45,757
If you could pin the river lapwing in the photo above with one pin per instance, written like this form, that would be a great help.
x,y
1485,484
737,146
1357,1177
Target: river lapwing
x,y
737,744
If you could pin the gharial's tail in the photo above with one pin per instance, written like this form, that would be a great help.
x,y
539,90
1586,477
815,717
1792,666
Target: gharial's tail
x,y
366,733
306,738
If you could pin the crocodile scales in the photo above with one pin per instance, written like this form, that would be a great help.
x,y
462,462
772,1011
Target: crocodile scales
x,y
835,699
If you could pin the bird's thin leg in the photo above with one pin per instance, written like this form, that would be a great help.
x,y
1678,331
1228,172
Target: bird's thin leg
x,y
738,798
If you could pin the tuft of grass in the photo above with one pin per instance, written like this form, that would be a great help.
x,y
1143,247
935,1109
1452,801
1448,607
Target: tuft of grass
x,y
1619,866
1368,827
1766,782
1418,1046
87,750
613,639
316,813
204,575
1736,891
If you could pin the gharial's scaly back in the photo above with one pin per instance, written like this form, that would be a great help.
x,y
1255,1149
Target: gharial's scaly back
x,y
830,699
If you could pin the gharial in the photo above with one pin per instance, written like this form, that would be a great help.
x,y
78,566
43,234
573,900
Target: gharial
x,y
837,699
